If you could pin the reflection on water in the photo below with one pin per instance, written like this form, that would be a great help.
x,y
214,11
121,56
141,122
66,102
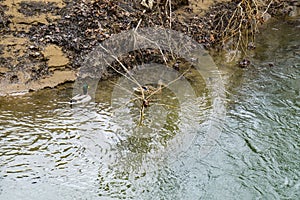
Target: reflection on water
x,y
51,151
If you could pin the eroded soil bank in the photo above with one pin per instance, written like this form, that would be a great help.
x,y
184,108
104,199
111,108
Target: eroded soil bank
x,y
43,43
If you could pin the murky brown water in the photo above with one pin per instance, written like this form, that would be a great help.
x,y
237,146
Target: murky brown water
x,y
51,151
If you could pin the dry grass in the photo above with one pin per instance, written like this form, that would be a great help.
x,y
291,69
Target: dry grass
x,y
236,28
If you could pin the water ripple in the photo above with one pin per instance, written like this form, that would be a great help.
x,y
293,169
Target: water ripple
x,y
48,149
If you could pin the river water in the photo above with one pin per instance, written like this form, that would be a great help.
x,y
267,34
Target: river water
x,y
49,150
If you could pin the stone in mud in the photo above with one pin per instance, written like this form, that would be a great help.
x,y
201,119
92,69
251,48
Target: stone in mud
x,y
266,17
244,63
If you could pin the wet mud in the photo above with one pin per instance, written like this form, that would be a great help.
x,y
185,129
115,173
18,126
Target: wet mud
x,y
43,43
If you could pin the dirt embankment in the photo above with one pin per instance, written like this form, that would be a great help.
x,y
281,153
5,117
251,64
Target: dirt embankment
x,y
24,63
42,43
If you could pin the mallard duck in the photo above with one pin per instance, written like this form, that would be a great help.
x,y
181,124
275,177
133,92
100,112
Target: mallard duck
x,y
81,98
149,89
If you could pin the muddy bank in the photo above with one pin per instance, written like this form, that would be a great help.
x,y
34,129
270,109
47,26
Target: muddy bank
x,y
25,64
43,43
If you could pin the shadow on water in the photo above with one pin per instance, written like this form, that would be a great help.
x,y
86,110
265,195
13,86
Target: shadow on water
x,y
51,151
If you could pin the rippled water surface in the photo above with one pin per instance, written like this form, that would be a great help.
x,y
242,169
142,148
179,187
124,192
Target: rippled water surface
x,y
51,151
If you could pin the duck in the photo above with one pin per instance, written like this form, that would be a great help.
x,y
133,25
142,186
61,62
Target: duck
x,y
149,89
81,98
